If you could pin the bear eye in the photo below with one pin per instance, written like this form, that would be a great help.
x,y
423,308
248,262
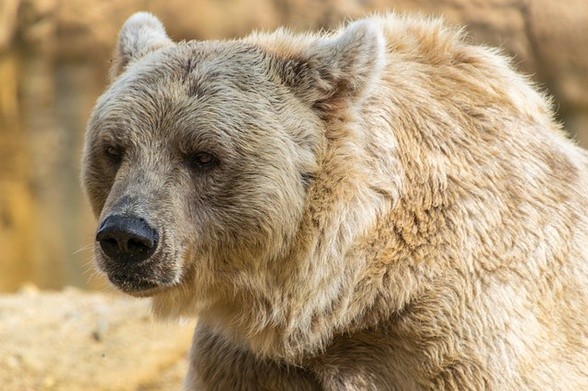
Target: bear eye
x,y
113,153
202,161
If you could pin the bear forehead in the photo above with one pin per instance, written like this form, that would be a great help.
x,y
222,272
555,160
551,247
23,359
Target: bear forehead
x,y
189,89
209,73
234,64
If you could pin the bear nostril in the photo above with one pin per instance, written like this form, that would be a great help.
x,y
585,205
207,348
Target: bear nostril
x,y
127,238
137,245
109,245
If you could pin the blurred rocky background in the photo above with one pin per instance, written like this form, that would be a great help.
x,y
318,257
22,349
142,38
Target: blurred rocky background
x,y
54,58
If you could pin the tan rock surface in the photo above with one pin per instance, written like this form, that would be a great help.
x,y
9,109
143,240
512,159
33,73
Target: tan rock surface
x,y
8,12
559,34
73,340
549,39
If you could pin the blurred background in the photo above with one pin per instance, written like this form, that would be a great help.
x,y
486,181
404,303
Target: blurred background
x,y
54,58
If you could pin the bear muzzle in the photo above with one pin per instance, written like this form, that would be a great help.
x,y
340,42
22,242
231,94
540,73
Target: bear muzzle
x,y
127,247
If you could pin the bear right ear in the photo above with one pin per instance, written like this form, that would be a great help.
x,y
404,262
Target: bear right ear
x,y
141,34
335,69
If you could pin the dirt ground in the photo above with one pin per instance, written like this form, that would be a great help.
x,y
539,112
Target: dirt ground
x,y
74,340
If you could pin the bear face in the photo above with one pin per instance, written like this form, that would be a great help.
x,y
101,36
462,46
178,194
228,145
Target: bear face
x,y
172,142
190,138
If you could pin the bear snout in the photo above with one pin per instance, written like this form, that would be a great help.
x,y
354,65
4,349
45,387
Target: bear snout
x,y
127,239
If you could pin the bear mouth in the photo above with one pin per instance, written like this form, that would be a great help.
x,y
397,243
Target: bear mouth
x,y
144,279
137,285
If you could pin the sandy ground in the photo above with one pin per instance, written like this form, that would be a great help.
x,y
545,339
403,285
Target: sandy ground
x,y
74,340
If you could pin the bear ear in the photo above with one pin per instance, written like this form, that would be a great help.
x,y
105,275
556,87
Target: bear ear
x,y
337,69
141,34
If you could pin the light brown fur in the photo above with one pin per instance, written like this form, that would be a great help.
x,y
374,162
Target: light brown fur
x,y
394,208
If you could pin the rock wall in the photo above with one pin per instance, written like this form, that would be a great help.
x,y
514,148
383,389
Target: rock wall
x,y
54,57
548,39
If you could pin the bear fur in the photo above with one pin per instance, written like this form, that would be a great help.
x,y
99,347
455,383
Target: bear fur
x,y
384,206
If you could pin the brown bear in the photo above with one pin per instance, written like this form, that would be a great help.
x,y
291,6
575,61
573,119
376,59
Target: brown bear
x,y
384,206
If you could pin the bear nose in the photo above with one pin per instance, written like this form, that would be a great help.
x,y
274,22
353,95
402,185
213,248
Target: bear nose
x,y
127,238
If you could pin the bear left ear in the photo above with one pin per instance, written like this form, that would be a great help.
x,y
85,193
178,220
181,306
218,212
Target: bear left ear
x,y
338,68
141,34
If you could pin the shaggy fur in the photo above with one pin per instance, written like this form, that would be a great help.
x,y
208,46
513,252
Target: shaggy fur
x,y
389,208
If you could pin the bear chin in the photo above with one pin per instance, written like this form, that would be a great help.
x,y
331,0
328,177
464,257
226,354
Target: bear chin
x,y
137,286
142,280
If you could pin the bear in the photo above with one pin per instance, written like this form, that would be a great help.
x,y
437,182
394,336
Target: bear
x,y
383,206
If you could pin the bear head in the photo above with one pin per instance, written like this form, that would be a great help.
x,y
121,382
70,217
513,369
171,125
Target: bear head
x,y
199,157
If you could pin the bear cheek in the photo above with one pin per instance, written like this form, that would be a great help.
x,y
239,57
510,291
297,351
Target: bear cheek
x,y
97,187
